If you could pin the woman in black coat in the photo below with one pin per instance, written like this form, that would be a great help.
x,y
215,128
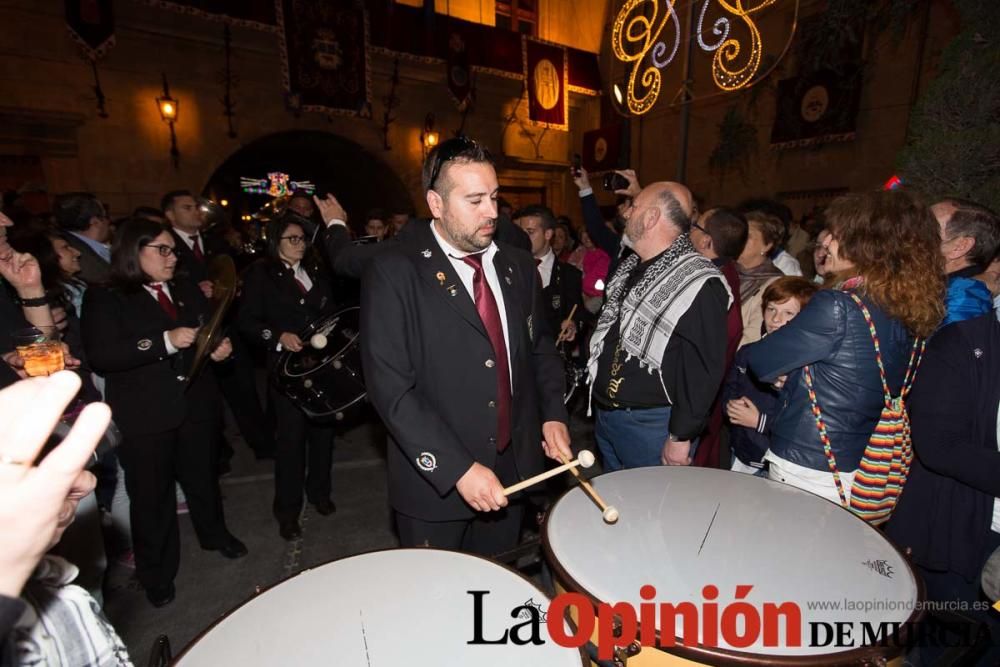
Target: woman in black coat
x,y
282,295
139,332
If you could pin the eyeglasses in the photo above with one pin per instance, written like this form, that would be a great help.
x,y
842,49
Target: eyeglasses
x,y
164,250
294,240
448,151
699,227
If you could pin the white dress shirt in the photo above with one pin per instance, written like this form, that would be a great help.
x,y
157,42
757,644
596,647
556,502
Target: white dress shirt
x,y
545,268
301,275
189,238
156,297
466,273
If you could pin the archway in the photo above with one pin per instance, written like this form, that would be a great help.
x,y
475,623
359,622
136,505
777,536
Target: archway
x,y
333,164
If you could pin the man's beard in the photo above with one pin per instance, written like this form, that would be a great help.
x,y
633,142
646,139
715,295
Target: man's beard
x,y
468,242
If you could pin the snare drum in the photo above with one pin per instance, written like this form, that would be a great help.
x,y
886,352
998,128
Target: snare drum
x,y
682,529
325,382
383,609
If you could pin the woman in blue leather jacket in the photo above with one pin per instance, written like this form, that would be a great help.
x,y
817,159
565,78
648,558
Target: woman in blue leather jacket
x,y
885,248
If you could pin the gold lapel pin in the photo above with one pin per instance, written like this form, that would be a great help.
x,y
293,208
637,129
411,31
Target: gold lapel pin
x,y
441,277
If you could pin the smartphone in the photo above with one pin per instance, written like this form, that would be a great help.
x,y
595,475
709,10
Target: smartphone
x,y
614,181
577,164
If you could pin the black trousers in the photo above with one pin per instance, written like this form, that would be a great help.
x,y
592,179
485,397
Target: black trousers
x,y
152,464
302,458
486,534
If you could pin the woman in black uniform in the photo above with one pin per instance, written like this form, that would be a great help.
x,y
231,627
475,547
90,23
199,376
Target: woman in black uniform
x,y
139,332
282,294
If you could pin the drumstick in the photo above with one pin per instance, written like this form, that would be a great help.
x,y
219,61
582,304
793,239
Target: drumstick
x,y
608,512
585,459
568,317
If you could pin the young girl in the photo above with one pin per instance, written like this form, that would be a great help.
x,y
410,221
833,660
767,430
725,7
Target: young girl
x,y
750,404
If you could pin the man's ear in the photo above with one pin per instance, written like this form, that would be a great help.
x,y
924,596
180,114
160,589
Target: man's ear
x,y
435,203
962,247
169,215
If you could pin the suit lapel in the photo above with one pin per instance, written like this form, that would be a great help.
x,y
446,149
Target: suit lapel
x,y
436,270
511,298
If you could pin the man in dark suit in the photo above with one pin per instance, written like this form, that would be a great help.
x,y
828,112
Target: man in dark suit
x,y
236,379
459,363
88,229
562,283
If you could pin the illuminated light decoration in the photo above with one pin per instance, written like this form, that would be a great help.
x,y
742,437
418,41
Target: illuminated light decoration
x,y
277,184
727,53
894,183
632,38
635,39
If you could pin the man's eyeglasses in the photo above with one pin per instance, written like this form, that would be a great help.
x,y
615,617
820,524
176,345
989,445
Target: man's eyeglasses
x,y
448,151
294,240
164,250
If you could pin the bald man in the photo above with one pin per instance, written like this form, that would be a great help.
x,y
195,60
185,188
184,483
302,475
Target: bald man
x,y
658,354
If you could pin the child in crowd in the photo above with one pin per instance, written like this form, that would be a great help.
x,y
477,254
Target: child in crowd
x,y
750,405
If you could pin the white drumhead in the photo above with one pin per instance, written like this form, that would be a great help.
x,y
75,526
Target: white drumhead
x,y
382,609
684,528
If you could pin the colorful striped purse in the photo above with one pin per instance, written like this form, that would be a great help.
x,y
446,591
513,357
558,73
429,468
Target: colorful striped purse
x,y
886,462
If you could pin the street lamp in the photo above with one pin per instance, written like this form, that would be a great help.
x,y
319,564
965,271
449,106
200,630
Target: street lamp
x,y
169,108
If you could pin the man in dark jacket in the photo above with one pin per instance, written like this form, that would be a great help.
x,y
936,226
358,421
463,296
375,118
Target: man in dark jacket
x,y
948,515
459,363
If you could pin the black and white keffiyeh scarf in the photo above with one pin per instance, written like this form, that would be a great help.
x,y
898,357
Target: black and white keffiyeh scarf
x,y
649,312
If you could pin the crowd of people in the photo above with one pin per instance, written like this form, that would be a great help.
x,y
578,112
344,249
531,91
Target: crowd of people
x,y
720,336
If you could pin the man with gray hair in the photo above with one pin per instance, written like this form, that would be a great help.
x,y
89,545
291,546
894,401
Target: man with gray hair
x,y
970,238
658,354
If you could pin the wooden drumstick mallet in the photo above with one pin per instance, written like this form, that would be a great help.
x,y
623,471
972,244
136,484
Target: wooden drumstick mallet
x,y
568,317
585,459
608,512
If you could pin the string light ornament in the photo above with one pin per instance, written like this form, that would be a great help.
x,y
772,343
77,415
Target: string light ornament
x,y
277,184
636,40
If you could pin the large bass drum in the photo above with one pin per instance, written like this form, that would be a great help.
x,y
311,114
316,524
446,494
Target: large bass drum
x,y
324,379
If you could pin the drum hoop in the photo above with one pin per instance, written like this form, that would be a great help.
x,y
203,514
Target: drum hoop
x,y
201,635
727,657
324,415
282,364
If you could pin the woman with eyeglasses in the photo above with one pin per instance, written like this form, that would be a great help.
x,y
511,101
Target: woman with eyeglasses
x,y
282,294
139,332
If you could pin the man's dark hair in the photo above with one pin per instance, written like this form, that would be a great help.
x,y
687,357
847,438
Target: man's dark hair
x,y
459,150
543,212
73,211
978,223
148,212
376,214
674,211
167,202
729,230
136,233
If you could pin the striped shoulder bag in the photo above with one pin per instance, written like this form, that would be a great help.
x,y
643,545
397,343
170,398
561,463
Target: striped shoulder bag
x,y
886,461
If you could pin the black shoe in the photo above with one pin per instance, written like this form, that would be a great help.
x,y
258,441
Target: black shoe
x,y
233,549
325,507
290,530
160,596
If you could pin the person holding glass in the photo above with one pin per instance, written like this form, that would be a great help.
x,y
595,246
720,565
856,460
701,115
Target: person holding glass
x,y
140,332
282,294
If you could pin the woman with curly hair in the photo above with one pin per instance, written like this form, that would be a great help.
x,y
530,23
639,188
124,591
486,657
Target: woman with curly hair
x,y
883,248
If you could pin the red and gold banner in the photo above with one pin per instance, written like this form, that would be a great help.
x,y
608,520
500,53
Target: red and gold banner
x,y
324,49
547,81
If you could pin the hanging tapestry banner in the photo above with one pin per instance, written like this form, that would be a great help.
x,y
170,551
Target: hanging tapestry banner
x,y
545,77
256,14
324,55
91,23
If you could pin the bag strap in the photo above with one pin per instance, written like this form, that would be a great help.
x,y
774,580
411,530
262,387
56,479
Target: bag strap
x,y
824,437
911,367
